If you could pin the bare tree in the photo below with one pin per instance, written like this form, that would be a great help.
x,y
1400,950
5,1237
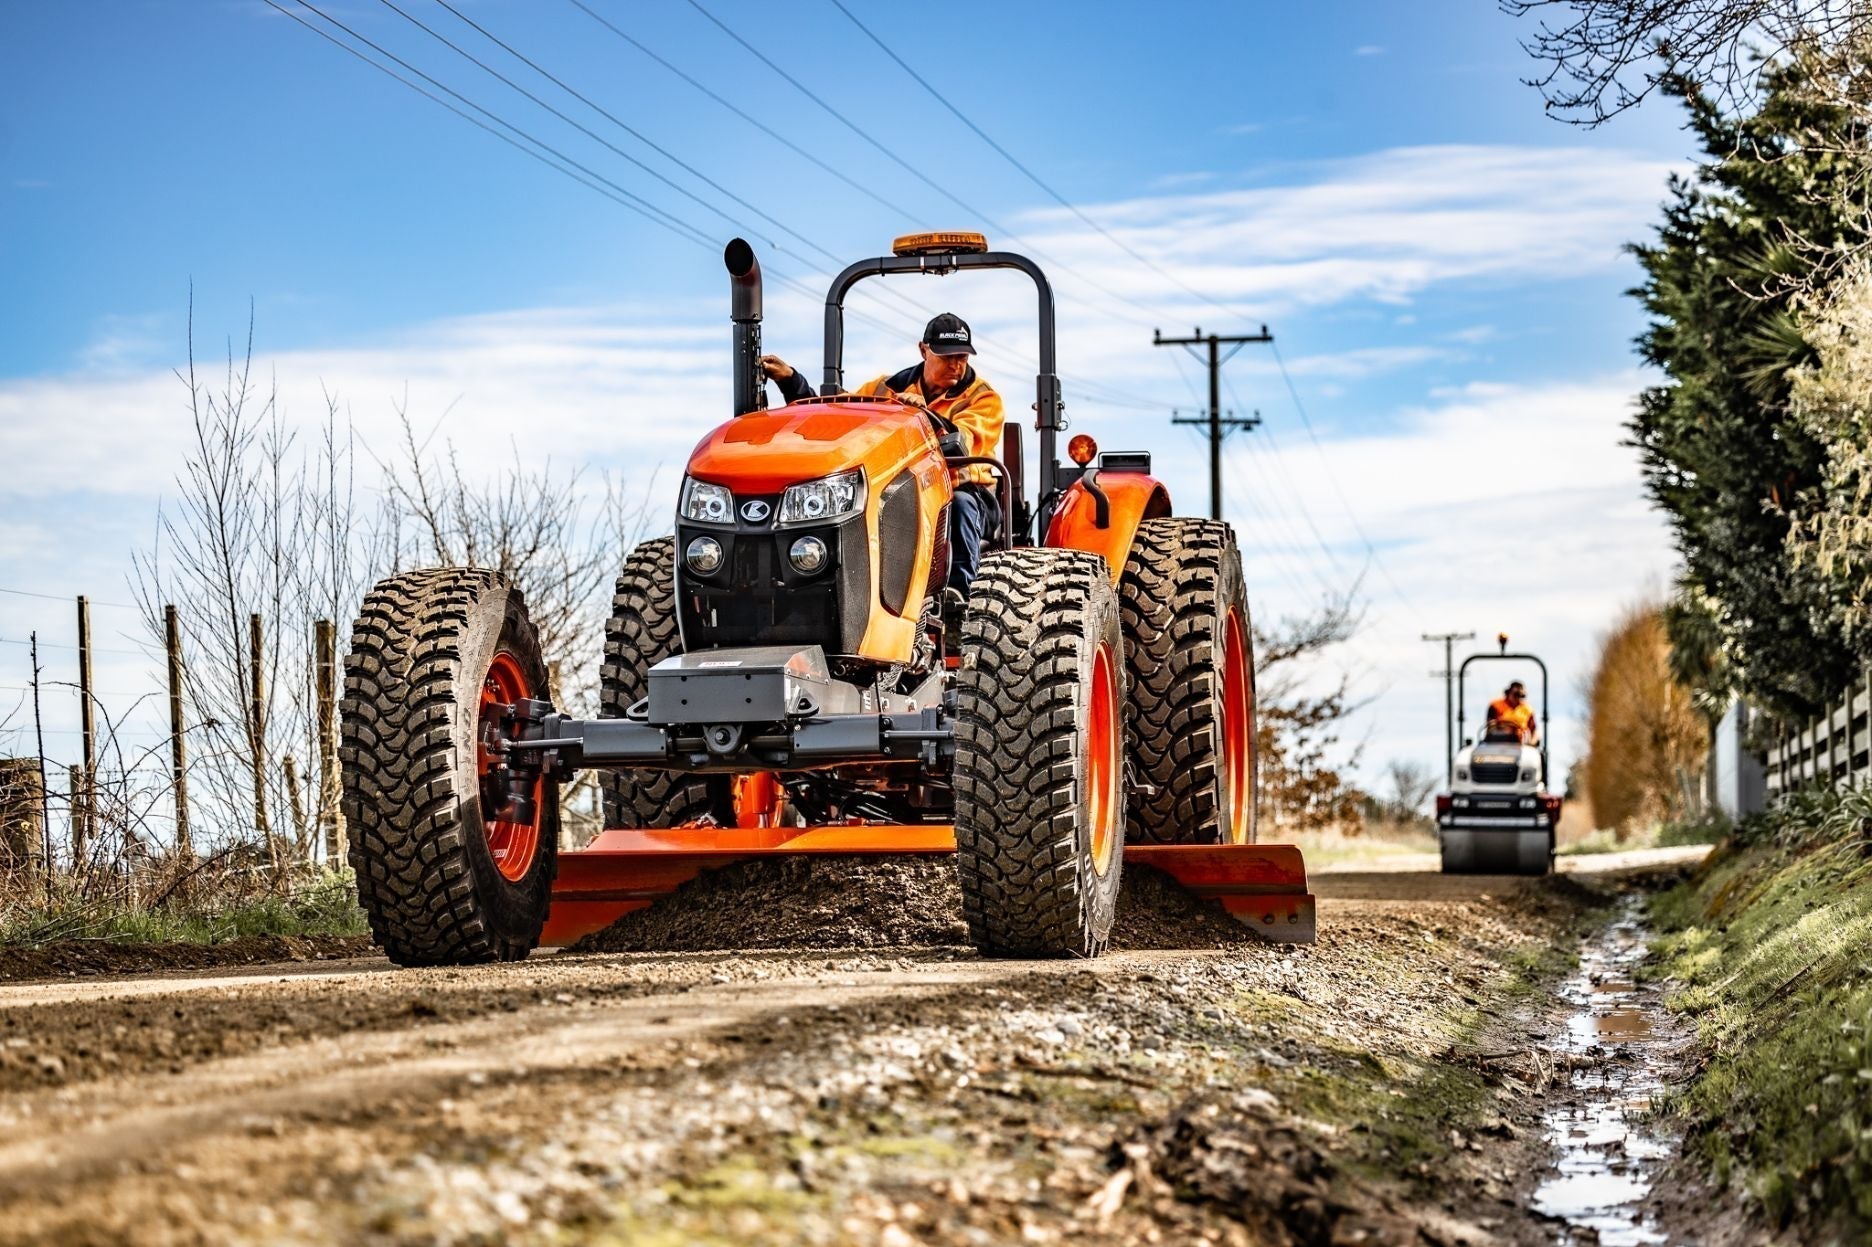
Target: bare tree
x,y
1412,783
1605,56
1297,730
258,541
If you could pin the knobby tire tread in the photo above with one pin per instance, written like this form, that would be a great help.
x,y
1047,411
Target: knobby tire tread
x,y
410,824
1172,595
1028,886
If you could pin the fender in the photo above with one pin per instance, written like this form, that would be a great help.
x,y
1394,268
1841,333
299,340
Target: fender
x,y
1133,497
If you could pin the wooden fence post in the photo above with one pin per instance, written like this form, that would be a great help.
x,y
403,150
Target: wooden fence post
x,y
178,747
290,765
325,695
256,735
22,806
82,801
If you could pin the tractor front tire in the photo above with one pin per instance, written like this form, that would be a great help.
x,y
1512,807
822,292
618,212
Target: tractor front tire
x,y
1039,784
441,883
641,633
1189,653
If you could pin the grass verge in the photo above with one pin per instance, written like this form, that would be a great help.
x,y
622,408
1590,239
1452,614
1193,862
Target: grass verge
x,y
325,905
1772,943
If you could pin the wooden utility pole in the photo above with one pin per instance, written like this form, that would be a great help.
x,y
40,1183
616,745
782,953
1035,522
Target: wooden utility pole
x,y
83,802
1218,425
256,733
1448,673
325,696
178,747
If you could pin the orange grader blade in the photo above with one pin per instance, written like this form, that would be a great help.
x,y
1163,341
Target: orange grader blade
x,y
1262,885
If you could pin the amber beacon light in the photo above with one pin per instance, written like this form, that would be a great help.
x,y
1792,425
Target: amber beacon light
x,y
940,242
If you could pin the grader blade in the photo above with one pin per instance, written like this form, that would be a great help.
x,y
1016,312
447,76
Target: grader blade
x,y
1261,885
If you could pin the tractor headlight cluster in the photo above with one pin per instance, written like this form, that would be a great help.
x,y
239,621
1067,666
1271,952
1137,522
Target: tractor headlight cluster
x,y
1527,774
808,555
704,556
1462,772
828,498
706,503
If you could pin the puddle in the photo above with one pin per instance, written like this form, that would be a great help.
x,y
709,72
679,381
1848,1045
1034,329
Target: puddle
x,y
1606,1147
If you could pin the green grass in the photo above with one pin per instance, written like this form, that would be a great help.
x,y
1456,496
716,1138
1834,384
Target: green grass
x,y
1771,944
325,905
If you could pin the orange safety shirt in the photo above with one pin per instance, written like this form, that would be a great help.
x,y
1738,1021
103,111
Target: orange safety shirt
x,y
970,404
1520,718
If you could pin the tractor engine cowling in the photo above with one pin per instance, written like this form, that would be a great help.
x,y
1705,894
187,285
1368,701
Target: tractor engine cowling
x,y
816,524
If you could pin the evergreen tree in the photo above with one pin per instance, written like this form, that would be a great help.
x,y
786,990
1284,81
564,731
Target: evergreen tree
x,y
1721,454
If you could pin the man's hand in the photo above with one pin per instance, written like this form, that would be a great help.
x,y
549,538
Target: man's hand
x,y
775,367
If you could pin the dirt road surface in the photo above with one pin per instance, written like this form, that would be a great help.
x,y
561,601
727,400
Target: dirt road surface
x,y
1381,1086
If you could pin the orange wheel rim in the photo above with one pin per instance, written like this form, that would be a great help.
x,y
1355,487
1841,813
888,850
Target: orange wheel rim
x,y
512,845
1103,768
1237,728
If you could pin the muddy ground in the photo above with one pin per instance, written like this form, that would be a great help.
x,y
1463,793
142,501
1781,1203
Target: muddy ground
x,y
1383,1086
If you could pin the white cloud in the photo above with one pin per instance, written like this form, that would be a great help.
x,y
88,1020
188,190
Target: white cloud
x,y
1382,227
1368,49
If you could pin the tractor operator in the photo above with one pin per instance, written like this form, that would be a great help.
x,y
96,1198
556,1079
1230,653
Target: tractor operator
x,y
1511,713
947,385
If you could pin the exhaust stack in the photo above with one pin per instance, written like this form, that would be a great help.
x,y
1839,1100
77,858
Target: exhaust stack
x,y
750,384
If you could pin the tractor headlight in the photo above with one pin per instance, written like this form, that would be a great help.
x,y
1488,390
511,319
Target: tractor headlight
x,y
828,498
706,503
1527,774
1462,772
704,555
807,555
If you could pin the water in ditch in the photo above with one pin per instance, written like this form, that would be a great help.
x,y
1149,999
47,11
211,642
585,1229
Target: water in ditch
x,y
1608,1150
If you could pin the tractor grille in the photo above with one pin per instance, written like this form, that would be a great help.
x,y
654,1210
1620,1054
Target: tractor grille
x,y
1495,772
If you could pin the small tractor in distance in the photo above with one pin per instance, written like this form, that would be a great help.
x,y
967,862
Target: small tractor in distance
x,y
1498,817
778,678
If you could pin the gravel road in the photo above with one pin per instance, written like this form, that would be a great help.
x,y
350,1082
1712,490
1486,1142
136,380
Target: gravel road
x,y
1377,1084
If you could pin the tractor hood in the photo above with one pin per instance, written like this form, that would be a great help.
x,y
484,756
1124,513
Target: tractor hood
x,y
765,451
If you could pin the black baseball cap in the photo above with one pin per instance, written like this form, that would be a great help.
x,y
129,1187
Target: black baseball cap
x,y
948,334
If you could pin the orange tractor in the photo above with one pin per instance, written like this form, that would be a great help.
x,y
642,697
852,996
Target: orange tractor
x,y
779,678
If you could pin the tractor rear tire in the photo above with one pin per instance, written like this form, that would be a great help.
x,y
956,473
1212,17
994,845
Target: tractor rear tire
x,y
1039,784
641,633
440,884
1190,716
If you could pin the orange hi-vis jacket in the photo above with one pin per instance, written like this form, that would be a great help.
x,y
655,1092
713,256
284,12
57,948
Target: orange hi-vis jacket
x,y
970,404
1520,718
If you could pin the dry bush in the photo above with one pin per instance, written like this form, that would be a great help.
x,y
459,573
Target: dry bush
x,y
1297,731
1648,745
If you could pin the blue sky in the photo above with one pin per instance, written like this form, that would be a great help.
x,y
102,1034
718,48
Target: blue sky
x,y
1439,262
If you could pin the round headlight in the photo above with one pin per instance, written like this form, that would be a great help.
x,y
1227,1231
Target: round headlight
x,y
808,554
704,555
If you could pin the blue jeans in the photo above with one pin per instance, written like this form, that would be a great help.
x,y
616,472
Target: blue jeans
x,y
973,514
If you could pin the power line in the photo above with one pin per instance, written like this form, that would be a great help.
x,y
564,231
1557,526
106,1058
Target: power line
x,y
630,199
1031,176
1307,423
54,597
608,116
752,120
1279,469
912,170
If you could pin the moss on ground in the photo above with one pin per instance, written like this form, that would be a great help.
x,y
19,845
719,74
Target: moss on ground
x,y
1771,945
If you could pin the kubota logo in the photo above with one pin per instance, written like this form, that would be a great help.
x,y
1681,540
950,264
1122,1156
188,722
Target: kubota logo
x,y
756,511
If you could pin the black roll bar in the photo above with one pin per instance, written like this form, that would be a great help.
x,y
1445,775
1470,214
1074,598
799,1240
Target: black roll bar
x,y
1049,403
1462,673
